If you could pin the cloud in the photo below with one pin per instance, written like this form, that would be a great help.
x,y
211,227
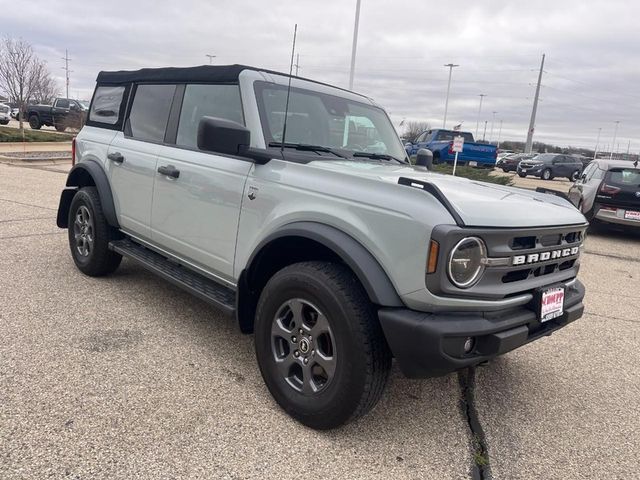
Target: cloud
x,y
590,73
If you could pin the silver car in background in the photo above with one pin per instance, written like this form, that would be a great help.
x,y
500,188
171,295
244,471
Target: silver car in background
x,y
609,191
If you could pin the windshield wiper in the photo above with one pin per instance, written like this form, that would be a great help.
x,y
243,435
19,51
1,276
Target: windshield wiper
x,y
307,148
377,156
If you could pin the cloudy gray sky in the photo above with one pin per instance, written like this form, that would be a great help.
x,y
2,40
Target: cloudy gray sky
x,y
591,72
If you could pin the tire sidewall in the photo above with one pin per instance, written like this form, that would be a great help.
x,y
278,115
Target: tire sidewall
x,y
346,386
34,122
546,174
81,198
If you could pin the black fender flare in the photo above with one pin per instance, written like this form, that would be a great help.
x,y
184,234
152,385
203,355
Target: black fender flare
x,y
76,179
364,265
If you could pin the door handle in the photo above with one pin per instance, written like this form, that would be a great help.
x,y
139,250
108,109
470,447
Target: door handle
x,y
116,157
169,171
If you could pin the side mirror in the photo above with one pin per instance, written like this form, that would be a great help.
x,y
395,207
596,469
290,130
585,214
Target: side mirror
x,y
222,136
424,158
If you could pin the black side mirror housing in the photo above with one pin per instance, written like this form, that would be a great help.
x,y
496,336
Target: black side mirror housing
x,y
424,158
223,136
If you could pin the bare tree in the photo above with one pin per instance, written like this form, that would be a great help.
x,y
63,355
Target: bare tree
x,y
22,73
414,128
46,88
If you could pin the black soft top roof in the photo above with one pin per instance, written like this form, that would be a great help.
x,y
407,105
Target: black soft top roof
x,y
202,73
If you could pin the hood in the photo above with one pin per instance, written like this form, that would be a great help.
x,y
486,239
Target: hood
x,y
478,204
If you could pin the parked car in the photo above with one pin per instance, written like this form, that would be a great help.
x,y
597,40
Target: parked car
x,y
547,166
5,114
335,256
510,162
504,153
440,142
64,113
609,191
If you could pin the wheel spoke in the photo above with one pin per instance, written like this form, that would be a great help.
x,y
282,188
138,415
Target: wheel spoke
x,y
284,365
279,331
321,326
308,386
328,364
296,309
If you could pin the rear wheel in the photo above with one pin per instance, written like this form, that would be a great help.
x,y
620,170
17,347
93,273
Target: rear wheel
x,y
90,234
60,127
546,174
319,344
34,122
522,175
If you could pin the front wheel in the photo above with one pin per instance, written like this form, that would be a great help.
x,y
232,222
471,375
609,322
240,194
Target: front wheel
x,y
546,174
34,122
522,175
319,345
90,234
574,176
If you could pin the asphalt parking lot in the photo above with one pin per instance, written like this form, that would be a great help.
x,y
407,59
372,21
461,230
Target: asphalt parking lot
x,y
128,377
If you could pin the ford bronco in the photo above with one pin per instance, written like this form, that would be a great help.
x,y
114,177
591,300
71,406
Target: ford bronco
x,y
292,206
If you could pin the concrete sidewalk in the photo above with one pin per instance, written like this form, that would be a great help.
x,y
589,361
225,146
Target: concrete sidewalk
x,y
35,147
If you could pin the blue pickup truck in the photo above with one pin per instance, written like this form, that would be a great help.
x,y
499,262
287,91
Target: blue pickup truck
x,y
440,142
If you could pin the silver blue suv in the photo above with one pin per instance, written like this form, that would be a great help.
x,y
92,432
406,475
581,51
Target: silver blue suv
x,y
290,205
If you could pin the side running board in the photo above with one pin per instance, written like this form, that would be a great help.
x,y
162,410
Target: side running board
x,y
202,287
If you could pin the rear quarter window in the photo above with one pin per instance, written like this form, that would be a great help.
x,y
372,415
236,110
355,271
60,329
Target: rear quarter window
x,y
106,105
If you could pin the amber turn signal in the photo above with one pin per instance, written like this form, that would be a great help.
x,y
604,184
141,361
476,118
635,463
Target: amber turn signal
x,y
432,260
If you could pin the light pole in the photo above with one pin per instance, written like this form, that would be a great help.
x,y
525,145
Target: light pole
x,y
595,152
499,135
493,119
354,45
446,102
482,95
211,57
613,143
485,130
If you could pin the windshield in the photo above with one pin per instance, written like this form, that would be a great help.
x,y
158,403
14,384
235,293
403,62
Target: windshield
x,y
544,157
330,121
448,135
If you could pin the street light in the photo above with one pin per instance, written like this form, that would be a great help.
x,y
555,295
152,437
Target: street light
x,y
595,152
493,119
446,102
482,95
613,143
354,45
211,57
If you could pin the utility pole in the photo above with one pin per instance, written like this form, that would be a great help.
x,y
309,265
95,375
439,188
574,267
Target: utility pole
x,y
613,143
595,152
297,64
628,148
482,95
532,122
485,130
210,57
446,102
66,68
493,119
499,134
354,45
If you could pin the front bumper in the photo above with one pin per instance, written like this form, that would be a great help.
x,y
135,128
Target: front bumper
x,y
430,345
535,171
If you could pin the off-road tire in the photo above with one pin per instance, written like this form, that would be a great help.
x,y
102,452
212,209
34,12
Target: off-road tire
x,y
34,122
546,174
363,359
100,260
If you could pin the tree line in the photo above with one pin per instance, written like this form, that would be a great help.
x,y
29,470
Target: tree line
x,y
24,77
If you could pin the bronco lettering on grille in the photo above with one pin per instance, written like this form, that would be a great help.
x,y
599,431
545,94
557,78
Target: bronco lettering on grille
x,y
544,256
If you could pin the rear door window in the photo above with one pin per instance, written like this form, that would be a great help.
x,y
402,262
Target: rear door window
x,y
106,105
150,112
221,101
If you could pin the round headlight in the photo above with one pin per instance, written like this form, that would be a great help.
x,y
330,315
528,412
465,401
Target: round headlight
x,y
467,262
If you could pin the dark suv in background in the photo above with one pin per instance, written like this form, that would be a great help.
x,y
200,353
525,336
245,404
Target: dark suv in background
x,y
510,162
550,165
